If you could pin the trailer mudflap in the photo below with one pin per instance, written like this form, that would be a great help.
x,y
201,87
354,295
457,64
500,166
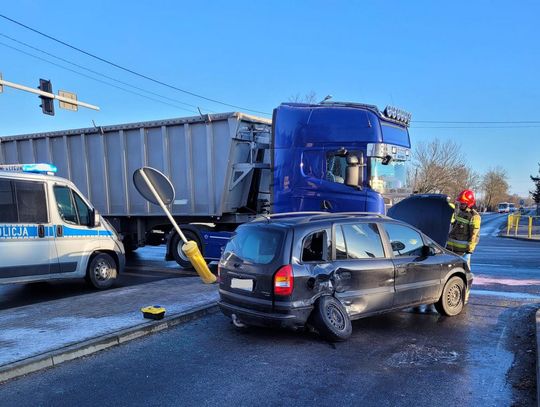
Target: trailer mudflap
x,y
431,213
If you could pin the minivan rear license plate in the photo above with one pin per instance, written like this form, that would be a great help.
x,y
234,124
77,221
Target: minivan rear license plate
x,y
242,284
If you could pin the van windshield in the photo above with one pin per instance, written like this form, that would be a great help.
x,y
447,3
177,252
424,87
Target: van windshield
x,y
255,244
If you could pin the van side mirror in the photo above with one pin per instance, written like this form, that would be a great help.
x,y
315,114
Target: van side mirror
x,y
94,219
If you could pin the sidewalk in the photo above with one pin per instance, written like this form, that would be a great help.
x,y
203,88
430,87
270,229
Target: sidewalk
x,y
42,335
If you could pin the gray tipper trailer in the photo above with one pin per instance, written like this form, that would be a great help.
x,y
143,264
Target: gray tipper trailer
x,y
219,165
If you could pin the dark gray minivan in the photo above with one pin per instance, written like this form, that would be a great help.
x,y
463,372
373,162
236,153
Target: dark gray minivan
x,y
326,269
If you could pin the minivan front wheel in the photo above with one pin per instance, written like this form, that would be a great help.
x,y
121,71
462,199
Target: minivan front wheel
x,y
101,272
452,298
331,320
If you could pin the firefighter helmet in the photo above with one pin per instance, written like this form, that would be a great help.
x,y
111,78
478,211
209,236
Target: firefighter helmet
x,y
467,197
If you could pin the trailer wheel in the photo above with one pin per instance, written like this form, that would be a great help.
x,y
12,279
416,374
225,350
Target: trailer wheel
x,y
176,248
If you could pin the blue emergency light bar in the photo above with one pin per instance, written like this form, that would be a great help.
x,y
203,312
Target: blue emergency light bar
x,y
38,168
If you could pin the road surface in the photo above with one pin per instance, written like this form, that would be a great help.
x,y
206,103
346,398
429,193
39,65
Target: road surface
x,y
485,356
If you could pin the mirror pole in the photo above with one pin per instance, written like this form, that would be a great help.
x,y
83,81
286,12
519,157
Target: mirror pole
x,y
165,209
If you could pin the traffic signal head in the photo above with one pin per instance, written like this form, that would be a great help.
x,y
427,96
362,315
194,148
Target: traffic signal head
x,y
47,103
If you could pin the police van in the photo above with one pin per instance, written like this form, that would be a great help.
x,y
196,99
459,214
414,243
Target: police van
x,y
49,231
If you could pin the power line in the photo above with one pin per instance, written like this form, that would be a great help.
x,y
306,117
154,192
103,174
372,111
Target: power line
x,y
98,73
130,70
475,127
96,79
476,122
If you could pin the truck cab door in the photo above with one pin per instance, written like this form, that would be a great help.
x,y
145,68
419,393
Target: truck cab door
x,y
335,194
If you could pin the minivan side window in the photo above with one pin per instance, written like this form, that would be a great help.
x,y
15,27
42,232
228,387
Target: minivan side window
x,y
66,206
316,247
363,241
22,202
404,240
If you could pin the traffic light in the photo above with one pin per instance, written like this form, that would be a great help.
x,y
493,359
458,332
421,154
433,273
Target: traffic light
x,y
47,103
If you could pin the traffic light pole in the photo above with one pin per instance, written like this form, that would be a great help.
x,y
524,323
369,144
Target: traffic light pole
x,y
47,94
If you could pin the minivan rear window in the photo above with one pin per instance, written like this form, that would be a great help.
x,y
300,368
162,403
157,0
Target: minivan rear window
x,y
255,244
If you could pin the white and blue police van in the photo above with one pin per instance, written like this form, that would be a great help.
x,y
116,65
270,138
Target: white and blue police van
x,y
49,231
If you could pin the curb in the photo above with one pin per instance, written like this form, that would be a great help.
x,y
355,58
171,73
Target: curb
x,y
538,358
88,347
526,239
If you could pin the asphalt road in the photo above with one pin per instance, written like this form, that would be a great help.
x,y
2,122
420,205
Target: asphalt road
x,y
485,356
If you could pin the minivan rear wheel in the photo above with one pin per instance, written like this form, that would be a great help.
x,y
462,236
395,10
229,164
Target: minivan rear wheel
x,y
331,320
452,298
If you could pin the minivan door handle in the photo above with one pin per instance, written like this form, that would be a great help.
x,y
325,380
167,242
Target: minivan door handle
x,y
41,231
59,231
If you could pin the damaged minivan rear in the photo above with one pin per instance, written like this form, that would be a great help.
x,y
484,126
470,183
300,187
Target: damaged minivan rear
x,y
256,280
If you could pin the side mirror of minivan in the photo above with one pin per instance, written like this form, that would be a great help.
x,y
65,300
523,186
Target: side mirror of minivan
x,y
397,246
426,251
94,219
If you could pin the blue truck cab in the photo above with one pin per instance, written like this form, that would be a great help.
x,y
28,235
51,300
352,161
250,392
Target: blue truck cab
x,y
339,157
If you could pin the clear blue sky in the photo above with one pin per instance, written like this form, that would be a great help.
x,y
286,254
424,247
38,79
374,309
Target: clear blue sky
x,y
451,61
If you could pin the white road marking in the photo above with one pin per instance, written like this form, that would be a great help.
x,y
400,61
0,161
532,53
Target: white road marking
x,y
479,280
506,294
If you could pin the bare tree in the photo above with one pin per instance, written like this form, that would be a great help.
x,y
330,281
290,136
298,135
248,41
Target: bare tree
x,y
535,195
495,187
310,97
440,167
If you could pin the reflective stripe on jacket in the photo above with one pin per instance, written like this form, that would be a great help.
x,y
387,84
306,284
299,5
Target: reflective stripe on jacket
x,y
465,232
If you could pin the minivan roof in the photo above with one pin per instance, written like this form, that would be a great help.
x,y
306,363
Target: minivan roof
x,y
297,218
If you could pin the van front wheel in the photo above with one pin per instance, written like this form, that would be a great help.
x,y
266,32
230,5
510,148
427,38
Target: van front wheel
x,y
101,272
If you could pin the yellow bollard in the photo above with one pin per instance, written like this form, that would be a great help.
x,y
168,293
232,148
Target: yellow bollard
x,y
517,224
195,257
530,226
509,223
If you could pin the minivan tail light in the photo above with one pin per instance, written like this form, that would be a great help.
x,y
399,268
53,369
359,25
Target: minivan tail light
x,y
284,281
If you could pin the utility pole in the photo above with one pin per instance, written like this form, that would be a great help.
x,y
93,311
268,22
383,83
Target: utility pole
x,y
66,99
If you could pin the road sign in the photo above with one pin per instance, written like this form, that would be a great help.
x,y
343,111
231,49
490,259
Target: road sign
x,y
160,185
46,95
156,188
66,105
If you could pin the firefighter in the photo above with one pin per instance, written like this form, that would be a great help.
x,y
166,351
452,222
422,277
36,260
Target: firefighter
x,y
465,230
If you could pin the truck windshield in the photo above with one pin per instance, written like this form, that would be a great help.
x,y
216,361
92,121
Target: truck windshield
x,y
389,178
